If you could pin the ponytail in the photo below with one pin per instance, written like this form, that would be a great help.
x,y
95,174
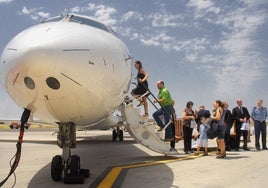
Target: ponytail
x,y
221,104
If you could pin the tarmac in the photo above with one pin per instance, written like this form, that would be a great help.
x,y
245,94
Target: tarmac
x,y
128,164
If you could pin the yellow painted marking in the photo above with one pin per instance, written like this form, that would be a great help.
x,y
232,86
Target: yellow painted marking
x,y
112,176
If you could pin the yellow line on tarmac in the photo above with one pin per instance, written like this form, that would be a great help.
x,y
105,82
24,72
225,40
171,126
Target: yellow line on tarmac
x,y
112,176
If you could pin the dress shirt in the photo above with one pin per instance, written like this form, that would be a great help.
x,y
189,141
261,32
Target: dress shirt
x,y
259,114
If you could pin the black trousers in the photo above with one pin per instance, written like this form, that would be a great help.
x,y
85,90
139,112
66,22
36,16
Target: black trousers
x,y
172,143
227,137
260,129
187,138
238,133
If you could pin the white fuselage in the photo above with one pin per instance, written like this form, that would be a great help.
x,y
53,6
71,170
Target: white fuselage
x,y
66,72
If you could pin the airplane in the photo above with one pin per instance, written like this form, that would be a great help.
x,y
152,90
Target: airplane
x,y
73,71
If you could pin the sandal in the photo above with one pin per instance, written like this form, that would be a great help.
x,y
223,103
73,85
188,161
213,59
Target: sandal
x,y
178,138
145,115
221,156
196,153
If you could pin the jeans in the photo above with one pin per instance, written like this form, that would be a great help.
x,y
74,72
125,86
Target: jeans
x,y
166,112
260,128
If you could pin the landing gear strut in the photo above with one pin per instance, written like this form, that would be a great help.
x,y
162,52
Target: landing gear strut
x,y
118,133
67,164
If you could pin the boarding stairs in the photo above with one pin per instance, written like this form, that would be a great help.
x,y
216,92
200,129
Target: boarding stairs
x,y
144,131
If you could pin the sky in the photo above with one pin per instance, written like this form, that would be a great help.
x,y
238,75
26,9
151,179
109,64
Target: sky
x,y
203,50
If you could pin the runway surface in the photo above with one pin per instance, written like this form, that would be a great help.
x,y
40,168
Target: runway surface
x,y
128,164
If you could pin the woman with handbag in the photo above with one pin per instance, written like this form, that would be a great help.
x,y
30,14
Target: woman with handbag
x,y
188,116
218,118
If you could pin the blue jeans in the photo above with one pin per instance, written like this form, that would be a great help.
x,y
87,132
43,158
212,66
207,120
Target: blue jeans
x,y
166,112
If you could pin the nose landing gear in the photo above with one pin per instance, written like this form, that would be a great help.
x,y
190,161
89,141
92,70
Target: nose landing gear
x,y
67,164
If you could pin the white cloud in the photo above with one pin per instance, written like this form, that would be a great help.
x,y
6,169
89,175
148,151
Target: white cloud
x,y
102,13
6,1
241,61
200,4
34,17
203,7
192,57
164,20
132,15
43,14
25,10
34,13
233,58
159,39
75,9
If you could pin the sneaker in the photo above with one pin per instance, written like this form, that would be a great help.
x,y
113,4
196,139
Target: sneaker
x,y
173,150
205,154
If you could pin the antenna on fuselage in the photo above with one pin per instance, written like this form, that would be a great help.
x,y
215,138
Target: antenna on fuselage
x,y
128,58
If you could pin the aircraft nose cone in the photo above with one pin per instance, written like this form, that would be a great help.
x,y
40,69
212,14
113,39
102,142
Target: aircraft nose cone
x,y
39,63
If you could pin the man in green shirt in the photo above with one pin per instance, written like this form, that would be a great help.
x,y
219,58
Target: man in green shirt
x,y
166,103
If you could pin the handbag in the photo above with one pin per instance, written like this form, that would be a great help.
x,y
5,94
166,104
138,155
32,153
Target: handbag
x,y
213,130
193,124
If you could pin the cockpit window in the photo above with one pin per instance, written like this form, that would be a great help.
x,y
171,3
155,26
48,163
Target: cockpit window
x,y
54,19
90,23
81,20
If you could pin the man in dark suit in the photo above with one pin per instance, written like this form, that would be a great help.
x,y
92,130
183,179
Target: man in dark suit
x,y
229,120
240,115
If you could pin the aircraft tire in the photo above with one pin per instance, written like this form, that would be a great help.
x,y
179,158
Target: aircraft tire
x,y
56,168
114,135
121,135
75,165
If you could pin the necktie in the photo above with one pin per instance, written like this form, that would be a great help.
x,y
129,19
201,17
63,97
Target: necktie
x,y
241,109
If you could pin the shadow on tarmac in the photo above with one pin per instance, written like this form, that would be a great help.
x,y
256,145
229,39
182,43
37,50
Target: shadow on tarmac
x,y
100,154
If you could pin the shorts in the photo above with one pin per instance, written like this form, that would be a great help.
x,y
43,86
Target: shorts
x,y
221,131
202,143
